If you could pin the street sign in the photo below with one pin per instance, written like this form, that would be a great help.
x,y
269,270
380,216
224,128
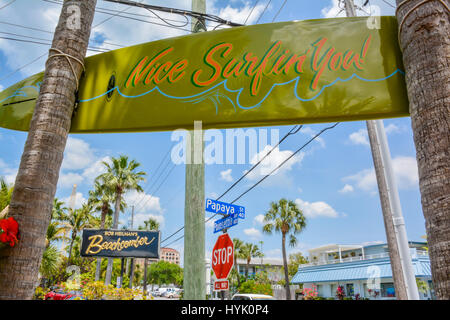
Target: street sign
x,y
224,208
221,285
223,256
226,223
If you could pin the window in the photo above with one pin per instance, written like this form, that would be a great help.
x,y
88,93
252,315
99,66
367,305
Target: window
x,y
349,291
387,290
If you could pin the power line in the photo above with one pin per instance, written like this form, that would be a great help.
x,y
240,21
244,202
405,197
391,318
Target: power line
x,y
388,3
261,180
8,4
192,14
282,6
294,130
47,44
155,180
254,6
268,3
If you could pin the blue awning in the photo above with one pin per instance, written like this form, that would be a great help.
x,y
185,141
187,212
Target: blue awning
x,y
357,270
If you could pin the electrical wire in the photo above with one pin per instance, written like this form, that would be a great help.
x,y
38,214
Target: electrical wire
x,y
8,4
282,6
257,183
293,131
254,6
268,3
43,43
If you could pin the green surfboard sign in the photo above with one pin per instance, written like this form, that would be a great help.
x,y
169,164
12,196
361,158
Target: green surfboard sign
x,y
272,74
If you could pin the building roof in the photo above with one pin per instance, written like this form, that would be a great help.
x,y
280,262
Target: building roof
x,y
265,261
359,270
334,248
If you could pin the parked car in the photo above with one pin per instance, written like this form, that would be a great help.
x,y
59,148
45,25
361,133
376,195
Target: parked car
x,y
251,296
57,295
171,294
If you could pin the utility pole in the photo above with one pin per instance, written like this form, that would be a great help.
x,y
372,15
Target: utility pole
x,y
399,253
132,259
35,185
194,213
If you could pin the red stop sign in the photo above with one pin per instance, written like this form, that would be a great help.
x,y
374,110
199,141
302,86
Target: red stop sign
x,y
223,256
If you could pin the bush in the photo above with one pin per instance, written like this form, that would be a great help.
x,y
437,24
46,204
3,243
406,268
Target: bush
x,y
251,286
40,293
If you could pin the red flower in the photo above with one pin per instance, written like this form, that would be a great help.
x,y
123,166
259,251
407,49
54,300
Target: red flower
x,y
10,232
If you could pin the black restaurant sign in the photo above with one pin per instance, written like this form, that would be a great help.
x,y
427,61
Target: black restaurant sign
x,y
120,243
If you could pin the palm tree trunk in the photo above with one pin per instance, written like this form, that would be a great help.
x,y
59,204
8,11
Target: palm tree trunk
x,y
115,226
286,271
145,277
35,185
102,226
425,42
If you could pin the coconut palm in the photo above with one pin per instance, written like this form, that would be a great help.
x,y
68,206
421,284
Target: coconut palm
x,y
285,217
100,198
5,197
51,260
150,224
55,232
77,221
37,177
120,176
238,244
59,211
424,39
249,251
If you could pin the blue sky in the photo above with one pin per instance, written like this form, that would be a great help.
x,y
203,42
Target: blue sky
x,y
332,181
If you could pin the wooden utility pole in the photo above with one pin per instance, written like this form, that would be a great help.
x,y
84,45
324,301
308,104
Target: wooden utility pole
x,y
35,185
194,214
424,35
399,254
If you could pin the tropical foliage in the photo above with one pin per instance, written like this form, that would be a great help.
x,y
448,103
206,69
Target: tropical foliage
x,y
286,218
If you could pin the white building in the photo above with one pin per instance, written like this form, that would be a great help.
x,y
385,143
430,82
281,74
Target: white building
x,y
360,270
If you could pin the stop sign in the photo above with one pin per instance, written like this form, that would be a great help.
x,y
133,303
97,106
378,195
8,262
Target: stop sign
x,y
223,256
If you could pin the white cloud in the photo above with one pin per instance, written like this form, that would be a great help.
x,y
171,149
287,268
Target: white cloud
x,y
316,209
226,175
311,132
67,180
253,233
347,188
139,219
77,155
8,173
405,170
1,88
237,14
259,219
143,202
273,161
393,128
95,169
79,200
359,137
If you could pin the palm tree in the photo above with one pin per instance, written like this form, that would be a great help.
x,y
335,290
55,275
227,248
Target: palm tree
x,y
249,251
285,217
100,199
150,224
55,232
5,194
423,39
37,177
120,176
59,212
238,244
77,221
